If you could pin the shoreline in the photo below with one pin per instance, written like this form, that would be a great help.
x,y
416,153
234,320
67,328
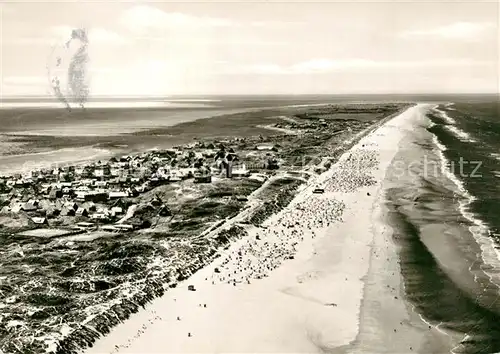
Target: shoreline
x,y
388,322
101,321
237,318
99,147
158,135
437,246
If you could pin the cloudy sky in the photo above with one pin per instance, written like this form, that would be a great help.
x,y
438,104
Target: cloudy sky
x,y
236,47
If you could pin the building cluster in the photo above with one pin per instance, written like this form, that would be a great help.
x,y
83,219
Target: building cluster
x,y
100,194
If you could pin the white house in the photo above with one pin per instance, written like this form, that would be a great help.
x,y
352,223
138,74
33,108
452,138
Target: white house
x,y
265,147
118,194
175,176
86,182
116,211
99,216
39,220
85,225
79,170
16,208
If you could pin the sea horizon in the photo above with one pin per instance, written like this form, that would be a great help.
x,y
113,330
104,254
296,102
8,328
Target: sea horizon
x,y
249,177
443,123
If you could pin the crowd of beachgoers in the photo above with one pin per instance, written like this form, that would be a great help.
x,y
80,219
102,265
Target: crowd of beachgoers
x,y
260,250
267,247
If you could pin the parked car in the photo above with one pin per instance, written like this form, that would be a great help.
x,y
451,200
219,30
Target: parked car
x,y
318,190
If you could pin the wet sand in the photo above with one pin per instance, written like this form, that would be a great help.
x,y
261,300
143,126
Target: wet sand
x,y
24,163
322,277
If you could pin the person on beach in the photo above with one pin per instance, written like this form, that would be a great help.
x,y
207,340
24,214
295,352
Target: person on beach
x,y
279,241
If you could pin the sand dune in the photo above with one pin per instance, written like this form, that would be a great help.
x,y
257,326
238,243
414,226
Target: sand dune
x,y
302,284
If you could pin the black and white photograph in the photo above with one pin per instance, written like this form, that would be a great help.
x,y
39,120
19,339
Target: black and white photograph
x,y
249,176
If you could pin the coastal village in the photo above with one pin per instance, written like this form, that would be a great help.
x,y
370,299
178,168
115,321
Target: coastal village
x,y
124,194
100,195
86,245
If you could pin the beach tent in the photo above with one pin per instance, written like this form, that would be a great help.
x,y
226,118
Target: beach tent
x,y
45,204
241,171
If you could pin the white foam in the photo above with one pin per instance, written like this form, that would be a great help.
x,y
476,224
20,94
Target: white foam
x,y
489,254
450,126
496,156
449,107
445,116
463,136
440,146
480,231
448,173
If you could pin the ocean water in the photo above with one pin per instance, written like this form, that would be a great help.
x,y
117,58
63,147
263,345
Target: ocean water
x,y
38,132
445,219
59,294
443,201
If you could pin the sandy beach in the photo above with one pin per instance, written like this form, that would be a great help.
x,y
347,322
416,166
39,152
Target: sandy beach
x,y
322,275
222,177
